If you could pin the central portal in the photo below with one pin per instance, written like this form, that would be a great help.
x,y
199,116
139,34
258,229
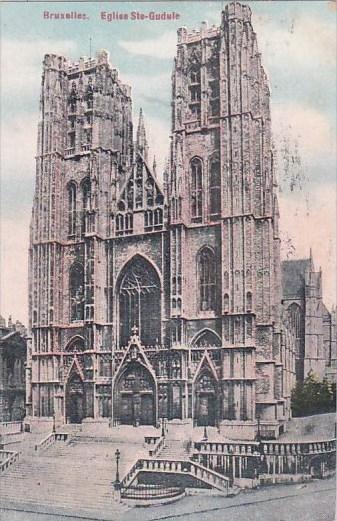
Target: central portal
x,y
134,397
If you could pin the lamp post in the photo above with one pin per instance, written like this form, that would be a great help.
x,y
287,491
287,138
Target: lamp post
x,y
162,428
258,434
205,438
117,455
54,423
259,449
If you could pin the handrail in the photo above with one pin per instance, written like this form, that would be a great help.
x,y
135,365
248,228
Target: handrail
x,y
197,470
50,440
11,458
158,446
13,427
276,447
150,492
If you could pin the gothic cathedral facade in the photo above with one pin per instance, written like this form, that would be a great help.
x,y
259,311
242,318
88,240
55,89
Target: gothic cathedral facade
x,y
153,299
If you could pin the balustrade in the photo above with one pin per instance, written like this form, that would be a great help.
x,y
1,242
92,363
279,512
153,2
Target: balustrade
x,y
7,459
11,427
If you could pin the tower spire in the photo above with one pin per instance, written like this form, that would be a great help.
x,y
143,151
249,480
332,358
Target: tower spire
x,y
154,166
141,143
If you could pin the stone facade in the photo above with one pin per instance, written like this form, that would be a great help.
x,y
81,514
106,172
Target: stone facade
x,y
13,352
150,301
314,325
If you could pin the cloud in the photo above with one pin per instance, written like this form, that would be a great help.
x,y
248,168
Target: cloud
x,y
22,64
150,86
14,282
163,47
296,43
19,135
158,132
310,222
311,128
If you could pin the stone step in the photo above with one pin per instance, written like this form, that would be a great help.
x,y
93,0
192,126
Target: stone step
x,y
68,477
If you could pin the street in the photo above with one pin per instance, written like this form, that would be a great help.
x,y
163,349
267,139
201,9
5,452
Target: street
x,y
303,502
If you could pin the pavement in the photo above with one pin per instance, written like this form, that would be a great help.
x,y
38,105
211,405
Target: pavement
x,y
313,501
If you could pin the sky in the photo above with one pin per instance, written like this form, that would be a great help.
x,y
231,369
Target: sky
x,y
298,45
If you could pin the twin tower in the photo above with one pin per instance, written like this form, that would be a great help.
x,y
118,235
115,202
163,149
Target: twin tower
x,y
153,299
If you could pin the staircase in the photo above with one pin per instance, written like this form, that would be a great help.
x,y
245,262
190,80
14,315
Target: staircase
x,y
66,479
175,450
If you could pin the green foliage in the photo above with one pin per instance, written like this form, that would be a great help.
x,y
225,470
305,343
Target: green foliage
x,y
313,396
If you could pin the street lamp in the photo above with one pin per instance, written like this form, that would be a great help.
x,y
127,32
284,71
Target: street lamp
x,y
117,455
258,434
162,428
205,438
54,423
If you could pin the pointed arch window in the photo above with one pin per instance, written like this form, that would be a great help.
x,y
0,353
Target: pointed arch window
x,y
207,338
207,279
140,302
195,91
71,208
196,188
76,292
214,188
296,319
75,345
86,191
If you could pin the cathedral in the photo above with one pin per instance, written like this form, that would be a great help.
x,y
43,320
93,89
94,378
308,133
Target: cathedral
x,y
159,297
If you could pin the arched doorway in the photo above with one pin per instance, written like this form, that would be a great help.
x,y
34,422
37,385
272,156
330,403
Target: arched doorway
x,y
74,399
206,403
139,298
135,396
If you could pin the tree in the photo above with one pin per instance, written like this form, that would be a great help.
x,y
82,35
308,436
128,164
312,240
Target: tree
x,y
313,396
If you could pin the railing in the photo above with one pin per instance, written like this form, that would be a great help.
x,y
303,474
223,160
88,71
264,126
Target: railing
x,y
158,446
151,440
50,440
7,459
297,448
278,448
244,449
11,427
208,476
150,492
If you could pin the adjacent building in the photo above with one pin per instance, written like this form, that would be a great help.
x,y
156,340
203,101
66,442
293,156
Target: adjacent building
x,y
313,323
13,352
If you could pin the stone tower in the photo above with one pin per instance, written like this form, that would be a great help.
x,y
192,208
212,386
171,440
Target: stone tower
x,y
225,267
85,148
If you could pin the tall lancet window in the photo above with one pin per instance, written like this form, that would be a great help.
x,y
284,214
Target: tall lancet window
x,y
196,188
76,292
214,188
140,302
195,91
85,201
71,208
207,279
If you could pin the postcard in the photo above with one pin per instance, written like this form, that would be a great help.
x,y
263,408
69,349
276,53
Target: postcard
x,y
168,262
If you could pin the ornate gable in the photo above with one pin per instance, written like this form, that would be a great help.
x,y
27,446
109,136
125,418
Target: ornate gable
x,y
140,205
134,353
